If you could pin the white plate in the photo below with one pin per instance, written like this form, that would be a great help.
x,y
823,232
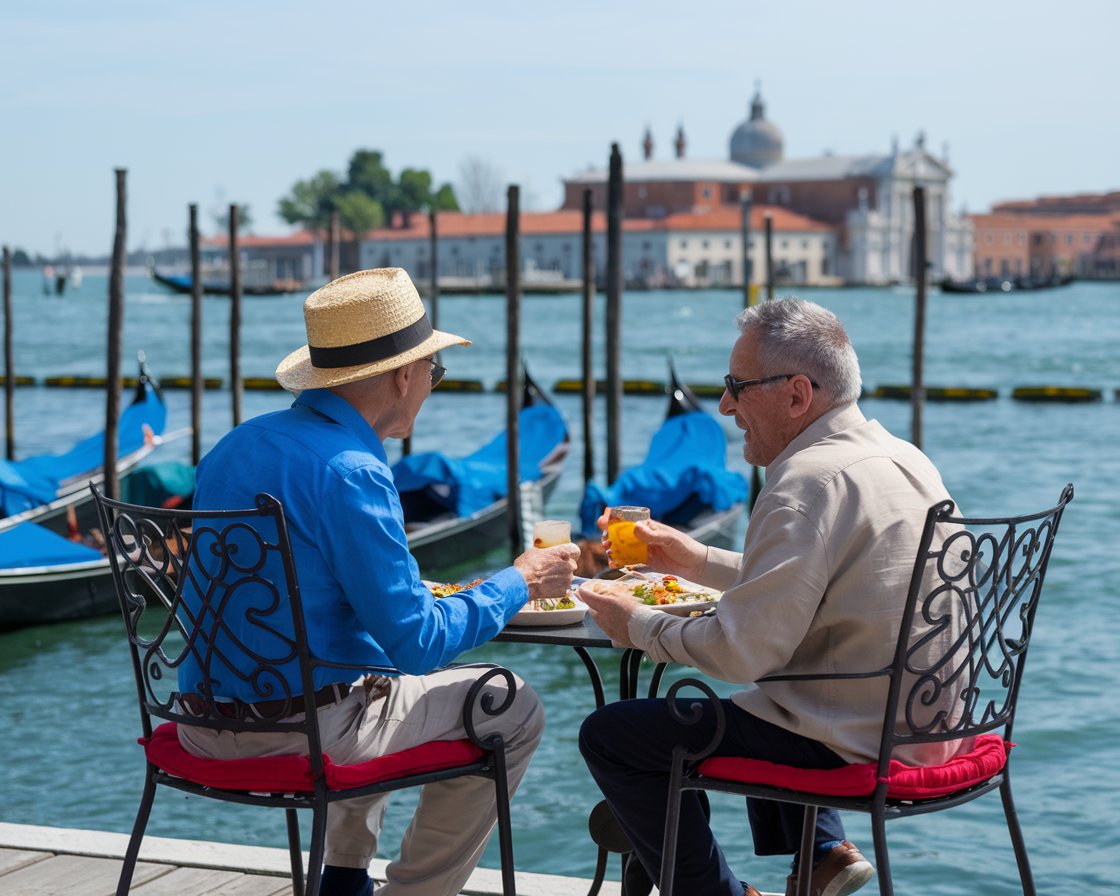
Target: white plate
x,y
530,617
703,598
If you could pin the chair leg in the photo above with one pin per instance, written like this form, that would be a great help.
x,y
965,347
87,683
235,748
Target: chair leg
x,y
1017,840
124,882
672,826
505,824
805,857
882,860
295,854
317,847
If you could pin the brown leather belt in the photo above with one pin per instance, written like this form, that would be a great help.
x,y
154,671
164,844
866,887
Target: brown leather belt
x,y
268,709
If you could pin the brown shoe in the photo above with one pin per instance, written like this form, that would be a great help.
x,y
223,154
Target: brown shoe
x,y
844,870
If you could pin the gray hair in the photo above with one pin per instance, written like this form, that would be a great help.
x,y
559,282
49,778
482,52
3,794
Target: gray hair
x,y
797,336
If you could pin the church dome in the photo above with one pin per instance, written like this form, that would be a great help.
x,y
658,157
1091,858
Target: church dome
x,y
756,142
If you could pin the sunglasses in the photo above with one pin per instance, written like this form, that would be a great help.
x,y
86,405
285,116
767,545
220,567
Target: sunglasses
x,y
736,387
438,370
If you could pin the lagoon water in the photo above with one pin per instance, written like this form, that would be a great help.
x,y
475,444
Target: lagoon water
x,y
69,757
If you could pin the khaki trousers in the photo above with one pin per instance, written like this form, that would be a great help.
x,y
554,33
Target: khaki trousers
x,y
453,819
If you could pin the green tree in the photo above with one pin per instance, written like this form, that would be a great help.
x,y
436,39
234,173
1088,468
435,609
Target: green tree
x,y
445,200
368,174
358,213
311,202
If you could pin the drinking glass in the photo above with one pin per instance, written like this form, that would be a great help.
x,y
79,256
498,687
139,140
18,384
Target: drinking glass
x,y
626,548
546,534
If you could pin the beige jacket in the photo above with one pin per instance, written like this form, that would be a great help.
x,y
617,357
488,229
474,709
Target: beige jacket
x,y
819,587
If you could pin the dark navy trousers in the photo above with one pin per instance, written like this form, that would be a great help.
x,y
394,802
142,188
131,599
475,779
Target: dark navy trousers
x,y
628,747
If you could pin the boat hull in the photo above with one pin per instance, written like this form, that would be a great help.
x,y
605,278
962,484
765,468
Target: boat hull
x,y
446,543
43,594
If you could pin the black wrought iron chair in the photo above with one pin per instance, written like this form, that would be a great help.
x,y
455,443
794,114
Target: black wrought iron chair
x,y
976,581
183,577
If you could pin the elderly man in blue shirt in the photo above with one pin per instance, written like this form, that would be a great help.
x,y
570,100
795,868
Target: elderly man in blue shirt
x,y
363,376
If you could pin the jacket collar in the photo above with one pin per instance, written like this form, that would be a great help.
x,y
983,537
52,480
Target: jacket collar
x,y
827,424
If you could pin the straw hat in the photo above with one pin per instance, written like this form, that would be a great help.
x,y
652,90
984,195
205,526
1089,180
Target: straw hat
x,y
359,326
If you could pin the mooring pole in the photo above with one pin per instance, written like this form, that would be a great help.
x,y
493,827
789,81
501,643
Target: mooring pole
x,y
513,355
769,257
111,483
746,203
336,238
234,313
9,362
613,336
586,368
917,386
196,339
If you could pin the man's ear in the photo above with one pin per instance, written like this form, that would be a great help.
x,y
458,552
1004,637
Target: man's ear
x,y
401,377
801,396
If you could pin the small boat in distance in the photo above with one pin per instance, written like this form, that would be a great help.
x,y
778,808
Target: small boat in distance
x,y
1002,284
183,284
456,508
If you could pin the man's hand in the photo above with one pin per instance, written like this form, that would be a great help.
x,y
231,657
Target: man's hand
x,y
670,550
611,606
548,571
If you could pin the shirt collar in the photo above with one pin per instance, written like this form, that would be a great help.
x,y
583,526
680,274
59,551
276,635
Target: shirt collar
x,y
327,404
827,424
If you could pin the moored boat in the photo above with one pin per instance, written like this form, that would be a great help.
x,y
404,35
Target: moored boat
x,y
45,487
45,577
183,284
684,479
456,508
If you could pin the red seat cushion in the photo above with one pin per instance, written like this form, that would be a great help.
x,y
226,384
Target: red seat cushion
x,y
906,782
292,774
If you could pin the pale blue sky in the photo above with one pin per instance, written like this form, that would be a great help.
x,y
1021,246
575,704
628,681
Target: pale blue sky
x,y
214,102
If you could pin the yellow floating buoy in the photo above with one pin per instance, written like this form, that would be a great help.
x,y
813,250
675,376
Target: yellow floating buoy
x,y
76,382
18,380
260,382
1076,394
186,382
706,390
937,393
576,386
448,385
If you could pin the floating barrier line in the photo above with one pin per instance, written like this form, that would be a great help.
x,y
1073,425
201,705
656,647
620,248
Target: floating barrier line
x,y
937,393
1079,394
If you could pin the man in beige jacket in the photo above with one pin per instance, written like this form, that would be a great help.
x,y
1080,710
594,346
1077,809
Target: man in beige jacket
x,y
819,587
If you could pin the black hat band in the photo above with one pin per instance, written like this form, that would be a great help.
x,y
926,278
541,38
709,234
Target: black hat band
x,y
388,346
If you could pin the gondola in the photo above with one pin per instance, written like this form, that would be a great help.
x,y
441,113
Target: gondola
x,y
51,569
44,487
981,285
456,508
45,577
684,479
183,284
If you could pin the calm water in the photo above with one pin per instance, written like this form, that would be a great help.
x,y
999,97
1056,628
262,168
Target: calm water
x,y
66,690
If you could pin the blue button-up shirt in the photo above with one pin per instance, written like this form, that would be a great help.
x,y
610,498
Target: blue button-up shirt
x,y
362,595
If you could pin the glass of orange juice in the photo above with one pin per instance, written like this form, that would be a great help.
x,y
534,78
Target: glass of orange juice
x,y
626,548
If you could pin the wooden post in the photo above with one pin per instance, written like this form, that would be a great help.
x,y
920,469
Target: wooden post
x,y
196,340
336,238
613,340
433,299
746,237
513,355
917,385
769,257
585,355
234,314
111,483
9,362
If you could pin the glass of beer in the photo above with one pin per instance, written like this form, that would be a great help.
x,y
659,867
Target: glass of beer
x,y
626,548
546,534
